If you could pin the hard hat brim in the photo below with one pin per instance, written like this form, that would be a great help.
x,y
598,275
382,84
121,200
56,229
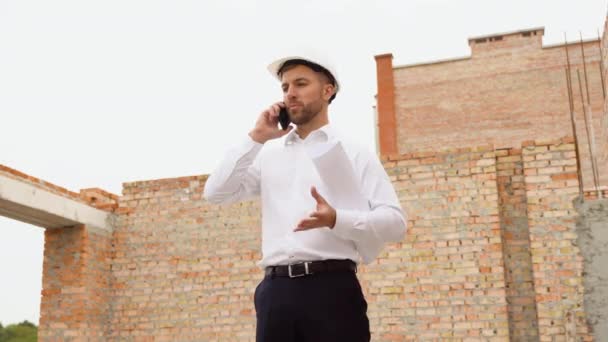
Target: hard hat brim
x,y
275,66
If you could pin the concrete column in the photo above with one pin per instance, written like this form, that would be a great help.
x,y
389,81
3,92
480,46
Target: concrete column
x,y
592,229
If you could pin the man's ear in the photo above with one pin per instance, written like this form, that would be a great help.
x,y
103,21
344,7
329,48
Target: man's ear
x,y
328,91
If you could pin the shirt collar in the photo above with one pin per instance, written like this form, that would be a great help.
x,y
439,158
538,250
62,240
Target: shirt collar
x,y
326,133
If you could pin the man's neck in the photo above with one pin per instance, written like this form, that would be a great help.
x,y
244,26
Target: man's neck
x,y
304,130
317,122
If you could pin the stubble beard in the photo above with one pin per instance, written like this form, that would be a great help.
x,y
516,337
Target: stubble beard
x,y
306,113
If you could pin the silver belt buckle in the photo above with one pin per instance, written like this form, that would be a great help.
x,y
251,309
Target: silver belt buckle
x,y
306,271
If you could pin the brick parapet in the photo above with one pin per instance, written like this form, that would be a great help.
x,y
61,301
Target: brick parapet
x,y
501,43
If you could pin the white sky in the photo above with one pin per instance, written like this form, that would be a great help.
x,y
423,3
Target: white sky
x,y
96,93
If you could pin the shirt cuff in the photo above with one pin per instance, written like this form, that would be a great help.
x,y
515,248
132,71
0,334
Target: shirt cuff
x,y
346,220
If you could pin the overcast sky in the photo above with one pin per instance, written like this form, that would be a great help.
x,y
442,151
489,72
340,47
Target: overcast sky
x,y
96,93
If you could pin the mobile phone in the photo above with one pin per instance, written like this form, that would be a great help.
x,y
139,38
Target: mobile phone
x,y
284,118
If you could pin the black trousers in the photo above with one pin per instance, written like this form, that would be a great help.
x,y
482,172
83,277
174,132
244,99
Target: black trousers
x,y
317,308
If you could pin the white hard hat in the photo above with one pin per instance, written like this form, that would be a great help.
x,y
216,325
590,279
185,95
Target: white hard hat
x,y
275,66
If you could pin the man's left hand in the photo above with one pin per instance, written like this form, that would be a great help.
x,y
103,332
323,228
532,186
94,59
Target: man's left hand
x,y
323,216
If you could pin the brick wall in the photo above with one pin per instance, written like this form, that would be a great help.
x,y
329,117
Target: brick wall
x,y
551,188
446,280
508,91
183,269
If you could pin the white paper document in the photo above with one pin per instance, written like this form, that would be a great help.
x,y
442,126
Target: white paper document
x,y
342,183
337,173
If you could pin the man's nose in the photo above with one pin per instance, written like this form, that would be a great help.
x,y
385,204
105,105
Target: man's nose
x,y
291,93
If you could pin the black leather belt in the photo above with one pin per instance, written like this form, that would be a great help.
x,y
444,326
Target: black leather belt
x,y
301,269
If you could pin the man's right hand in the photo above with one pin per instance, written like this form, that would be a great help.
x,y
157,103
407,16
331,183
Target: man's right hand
x,y
266,127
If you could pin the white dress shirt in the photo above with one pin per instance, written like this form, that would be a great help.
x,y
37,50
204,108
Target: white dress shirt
x,y
282,172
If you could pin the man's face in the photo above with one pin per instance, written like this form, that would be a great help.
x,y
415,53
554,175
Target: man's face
x,y
303,91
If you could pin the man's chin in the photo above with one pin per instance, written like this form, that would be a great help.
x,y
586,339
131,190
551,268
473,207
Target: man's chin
x,y
295,118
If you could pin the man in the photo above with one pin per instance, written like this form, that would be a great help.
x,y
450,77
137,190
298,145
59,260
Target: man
x,y
309,247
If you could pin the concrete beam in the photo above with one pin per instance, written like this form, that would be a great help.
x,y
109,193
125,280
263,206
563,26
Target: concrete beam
x,y
24,202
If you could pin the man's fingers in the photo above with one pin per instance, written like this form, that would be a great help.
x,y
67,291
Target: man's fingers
x,y
317,196
310,221
269,117
316,219
275,110
313,192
